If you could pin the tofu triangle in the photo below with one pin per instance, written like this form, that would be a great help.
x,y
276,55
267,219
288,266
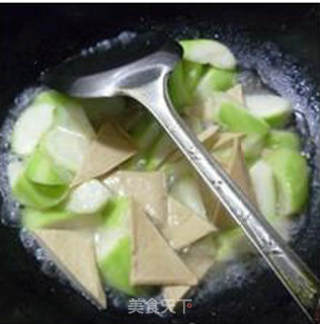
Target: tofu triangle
x,y
111,148
73,252
206,137
154,262
148,189
238,171
183,226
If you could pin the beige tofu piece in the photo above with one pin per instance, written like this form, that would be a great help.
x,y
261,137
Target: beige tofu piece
x,y
154,262
148,189
224,142
183,226
111,148
73,252
207,138
239,173
236,93
199,258
235,166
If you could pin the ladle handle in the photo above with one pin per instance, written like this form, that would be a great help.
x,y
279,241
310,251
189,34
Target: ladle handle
x,y
285,263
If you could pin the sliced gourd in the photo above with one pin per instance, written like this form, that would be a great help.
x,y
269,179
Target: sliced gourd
x,y
32,124
187,192
114,244
88,198
253,145
41,169
159,152
68,139
264,187
145,131
283,139
192,74
275,110
231,244
71,116
207,51
178,92
67,149
291,174
33,194
144,134
59,218
237,119
215,80
38,195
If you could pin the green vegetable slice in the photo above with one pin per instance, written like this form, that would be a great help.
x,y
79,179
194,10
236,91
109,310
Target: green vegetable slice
x,y
38,195
208,51
88,198
238,119
178,92
265,188
192,74
291,174
41,169
67,149
283,139
32,124
215,80
59,218
186,190
231,244
275,110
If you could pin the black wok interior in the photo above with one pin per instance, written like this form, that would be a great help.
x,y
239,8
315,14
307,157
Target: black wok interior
x,y
280,42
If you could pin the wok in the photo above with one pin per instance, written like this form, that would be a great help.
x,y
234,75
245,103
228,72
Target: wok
x,y
279,42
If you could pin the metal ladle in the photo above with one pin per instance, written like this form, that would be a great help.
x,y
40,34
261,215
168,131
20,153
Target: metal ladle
x,y
140,69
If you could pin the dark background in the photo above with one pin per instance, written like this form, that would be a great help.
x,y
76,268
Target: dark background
x,y
26,33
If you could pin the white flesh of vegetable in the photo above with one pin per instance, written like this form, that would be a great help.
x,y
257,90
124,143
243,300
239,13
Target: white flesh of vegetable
x,y
29,128
272,108
186,191
205,51
89,197
265,189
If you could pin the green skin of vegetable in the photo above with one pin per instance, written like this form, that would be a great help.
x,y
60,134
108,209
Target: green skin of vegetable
x,y
283,139
291,174
278,120
237,119
230,244
208,51
216,80
58,217
178,92
41,169
54,98
192,74
38,195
